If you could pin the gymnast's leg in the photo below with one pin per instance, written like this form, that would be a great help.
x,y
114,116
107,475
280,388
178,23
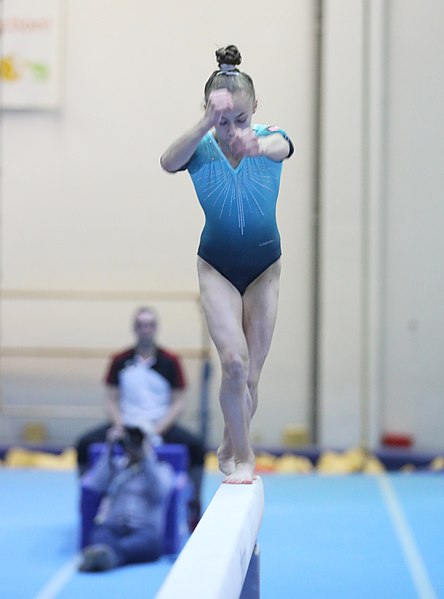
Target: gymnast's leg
x,y
234,322
223,307
260,303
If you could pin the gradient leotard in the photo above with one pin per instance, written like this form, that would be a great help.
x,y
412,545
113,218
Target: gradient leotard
x,y
240,238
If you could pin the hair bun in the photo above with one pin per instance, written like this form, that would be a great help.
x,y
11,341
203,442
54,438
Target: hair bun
x,y
228,55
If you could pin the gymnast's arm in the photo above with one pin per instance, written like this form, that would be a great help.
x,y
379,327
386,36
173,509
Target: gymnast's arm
x,y
275,147
181,150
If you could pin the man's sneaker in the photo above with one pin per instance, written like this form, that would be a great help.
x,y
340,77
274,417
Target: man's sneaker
x,y
97,558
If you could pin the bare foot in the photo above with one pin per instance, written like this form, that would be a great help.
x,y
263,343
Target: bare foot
x,y
225,455
243,474
227,465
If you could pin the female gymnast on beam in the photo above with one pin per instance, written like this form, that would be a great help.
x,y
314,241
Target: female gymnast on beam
x,y
236,167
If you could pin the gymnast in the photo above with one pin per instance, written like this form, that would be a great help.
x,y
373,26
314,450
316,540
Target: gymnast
x,y
235,168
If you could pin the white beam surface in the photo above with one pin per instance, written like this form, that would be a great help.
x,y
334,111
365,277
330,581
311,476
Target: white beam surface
x,y
215,560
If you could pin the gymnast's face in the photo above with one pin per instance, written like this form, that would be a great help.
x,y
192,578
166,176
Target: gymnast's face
x,y
236,119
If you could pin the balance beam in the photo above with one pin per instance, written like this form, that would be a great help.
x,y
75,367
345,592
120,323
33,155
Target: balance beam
x,y
214,562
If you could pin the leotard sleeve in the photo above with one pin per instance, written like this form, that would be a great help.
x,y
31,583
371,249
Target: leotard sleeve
x,y
264,131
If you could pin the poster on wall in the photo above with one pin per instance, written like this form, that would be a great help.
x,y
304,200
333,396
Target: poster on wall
x,y
30,54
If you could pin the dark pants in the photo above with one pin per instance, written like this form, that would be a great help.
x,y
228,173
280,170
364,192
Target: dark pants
x,y
130,545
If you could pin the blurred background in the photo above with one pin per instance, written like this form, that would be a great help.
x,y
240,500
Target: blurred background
x,y
92,92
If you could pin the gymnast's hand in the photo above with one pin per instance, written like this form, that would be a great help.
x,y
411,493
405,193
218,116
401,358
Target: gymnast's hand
x,y
245,143
219,101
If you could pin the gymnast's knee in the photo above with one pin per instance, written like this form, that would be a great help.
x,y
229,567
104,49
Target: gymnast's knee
x,y
235,367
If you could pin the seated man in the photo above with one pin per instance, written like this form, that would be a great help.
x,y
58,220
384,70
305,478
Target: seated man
x,y
146,382
130,523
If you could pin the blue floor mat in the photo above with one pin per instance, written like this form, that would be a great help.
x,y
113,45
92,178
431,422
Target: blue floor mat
x,y
322,537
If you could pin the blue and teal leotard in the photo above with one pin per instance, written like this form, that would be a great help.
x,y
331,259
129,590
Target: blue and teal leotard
x,y
240,238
